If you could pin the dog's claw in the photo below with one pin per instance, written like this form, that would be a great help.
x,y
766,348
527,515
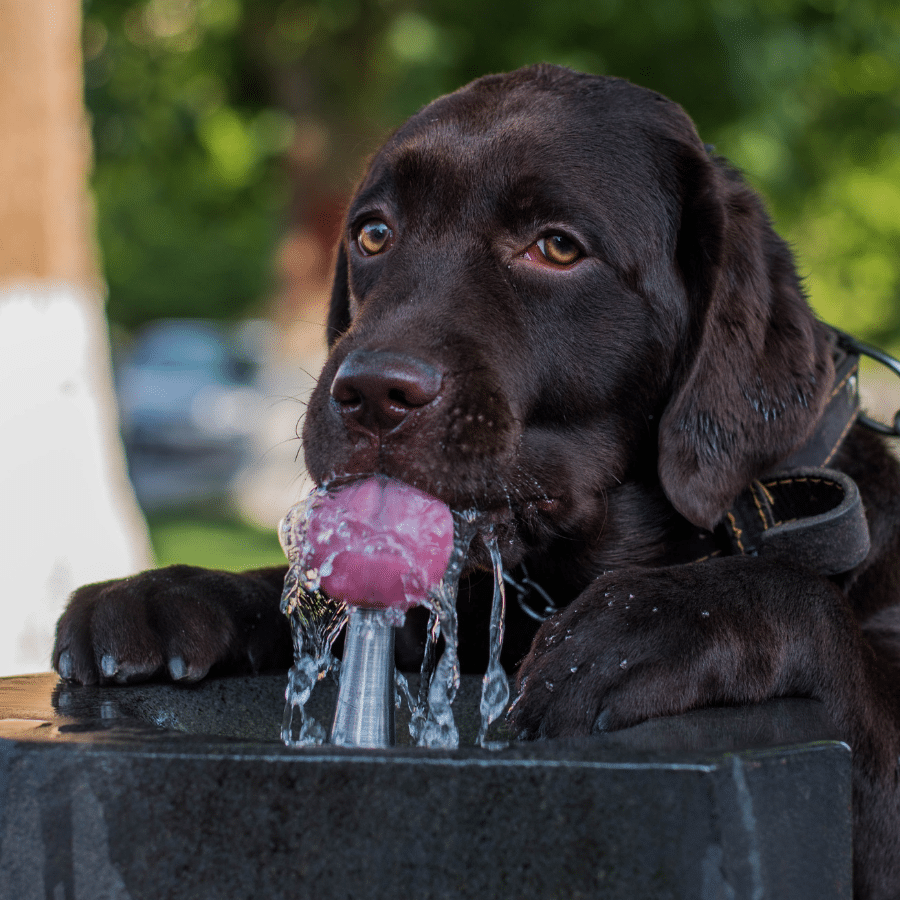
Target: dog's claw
x,y
109,666
180,671
66,667
601,723
177,669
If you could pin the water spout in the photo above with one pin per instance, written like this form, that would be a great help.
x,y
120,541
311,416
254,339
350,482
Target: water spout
x,y
365,710
364,716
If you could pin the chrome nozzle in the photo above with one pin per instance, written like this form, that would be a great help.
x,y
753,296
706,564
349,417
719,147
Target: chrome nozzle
x,y
364,716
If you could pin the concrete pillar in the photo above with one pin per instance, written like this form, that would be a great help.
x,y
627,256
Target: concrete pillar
x,y
67,513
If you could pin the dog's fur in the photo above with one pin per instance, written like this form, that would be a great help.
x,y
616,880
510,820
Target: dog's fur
x,y
594,412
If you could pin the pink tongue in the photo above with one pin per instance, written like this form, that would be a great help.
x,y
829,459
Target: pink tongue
x,y
387,543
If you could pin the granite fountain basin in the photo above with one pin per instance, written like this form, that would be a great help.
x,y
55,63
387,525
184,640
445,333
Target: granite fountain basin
x,y
158,791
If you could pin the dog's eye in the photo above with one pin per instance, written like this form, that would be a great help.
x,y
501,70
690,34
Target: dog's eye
x,y
558,250
374,237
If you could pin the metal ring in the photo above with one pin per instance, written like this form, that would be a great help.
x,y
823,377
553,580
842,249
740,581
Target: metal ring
x,y
861,349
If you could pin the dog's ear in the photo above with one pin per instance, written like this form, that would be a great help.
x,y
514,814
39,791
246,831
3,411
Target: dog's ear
x,y
339,307
758,367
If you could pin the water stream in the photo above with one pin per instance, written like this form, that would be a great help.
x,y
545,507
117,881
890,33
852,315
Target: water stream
x,y
316,620
495,686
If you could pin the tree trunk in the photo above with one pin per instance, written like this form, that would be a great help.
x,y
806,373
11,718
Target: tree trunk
x,y
67,512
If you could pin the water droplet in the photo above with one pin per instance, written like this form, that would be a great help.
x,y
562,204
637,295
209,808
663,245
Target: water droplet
x,y
623,664
574,669
549,685
704,613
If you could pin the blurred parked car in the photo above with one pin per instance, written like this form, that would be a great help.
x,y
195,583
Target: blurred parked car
x,y
188,406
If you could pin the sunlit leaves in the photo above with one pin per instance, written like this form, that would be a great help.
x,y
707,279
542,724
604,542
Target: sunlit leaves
x,y
848,235
200,106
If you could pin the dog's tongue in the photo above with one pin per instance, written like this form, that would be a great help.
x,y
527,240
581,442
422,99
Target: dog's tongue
x,y
379,543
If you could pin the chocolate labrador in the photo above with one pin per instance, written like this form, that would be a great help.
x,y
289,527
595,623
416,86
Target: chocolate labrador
x,y
555,305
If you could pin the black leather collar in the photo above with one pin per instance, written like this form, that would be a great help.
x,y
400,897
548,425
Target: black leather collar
x,y
804,512
841,411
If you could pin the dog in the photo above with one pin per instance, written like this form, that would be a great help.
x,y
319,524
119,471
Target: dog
x,y
554,304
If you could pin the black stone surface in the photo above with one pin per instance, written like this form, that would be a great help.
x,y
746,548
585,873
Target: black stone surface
x,y
164,792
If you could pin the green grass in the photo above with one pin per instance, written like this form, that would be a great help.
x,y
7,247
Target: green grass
x,y
214,542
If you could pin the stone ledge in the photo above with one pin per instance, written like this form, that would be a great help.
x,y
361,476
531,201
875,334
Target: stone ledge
x,y
725,803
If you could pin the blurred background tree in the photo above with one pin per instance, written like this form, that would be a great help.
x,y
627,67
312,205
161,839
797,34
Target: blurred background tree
x,y
222,125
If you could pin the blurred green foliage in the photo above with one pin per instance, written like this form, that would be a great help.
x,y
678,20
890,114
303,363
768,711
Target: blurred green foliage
x,y
195,538
215,120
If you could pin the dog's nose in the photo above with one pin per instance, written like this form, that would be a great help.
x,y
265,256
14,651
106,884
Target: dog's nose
x,y
379,388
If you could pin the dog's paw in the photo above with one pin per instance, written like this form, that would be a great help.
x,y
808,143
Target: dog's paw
x,y
643,644
174,623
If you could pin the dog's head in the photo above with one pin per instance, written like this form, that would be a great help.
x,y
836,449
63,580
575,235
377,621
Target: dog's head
x,y
548,294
